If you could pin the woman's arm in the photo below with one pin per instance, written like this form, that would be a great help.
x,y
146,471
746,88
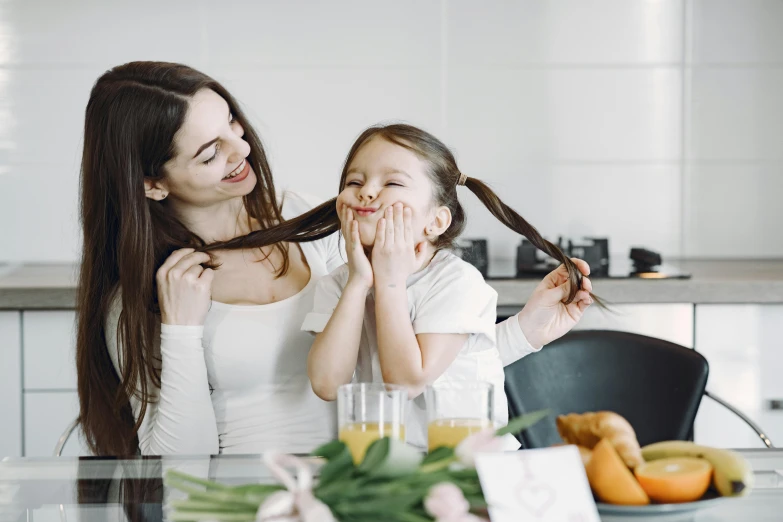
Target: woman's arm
x,y
544,318
180,418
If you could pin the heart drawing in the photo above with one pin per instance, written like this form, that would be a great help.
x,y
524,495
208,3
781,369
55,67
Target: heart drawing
x,y
536,498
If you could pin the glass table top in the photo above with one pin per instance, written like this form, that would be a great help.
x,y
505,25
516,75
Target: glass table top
x,y
95,489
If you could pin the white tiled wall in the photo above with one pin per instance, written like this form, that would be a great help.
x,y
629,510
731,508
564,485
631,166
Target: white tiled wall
x,y
564,32
737,113
734,129
737,32
592,117
720,224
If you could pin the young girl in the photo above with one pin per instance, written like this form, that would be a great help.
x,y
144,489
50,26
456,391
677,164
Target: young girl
x,y
399,214
404,309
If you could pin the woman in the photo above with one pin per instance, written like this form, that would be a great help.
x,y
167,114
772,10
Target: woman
x,y
173,356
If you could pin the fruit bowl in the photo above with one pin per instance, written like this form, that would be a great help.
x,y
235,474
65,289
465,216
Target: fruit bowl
x,y
664,477
708,501
666,483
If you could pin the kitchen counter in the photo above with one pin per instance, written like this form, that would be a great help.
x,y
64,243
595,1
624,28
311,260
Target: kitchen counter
x,y
52,286
38,286
712,282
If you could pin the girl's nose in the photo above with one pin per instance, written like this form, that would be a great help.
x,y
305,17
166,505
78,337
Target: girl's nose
x,y
367,193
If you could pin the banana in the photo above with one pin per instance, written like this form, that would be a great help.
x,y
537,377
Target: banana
x,y
733,476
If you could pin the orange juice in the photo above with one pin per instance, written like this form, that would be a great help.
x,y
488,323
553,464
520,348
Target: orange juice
x,y
450,432
359,435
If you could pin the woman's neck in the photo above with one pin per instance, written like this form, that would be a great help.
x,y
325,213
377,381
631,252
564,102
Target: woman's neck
x,y
219,222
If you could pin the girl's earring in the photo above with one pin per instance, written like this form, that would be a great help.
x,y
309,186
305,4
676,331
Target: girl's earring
x,y
163,196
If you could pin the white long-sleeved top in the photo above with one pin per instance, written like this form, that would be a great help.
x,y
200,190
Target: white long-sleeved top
x,y
239,383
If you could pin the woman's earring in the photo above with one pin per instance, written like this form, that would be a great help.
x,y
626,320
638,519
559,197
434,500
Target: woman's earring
x,y
163,196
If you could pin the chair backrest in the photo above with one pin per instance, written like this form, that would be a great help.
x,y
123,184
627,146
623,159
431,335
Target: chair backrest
x,y
64,438
655,384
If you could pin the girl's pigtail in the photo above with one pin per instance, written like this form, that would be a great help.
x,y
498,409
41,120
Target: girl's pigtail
x,y
509,217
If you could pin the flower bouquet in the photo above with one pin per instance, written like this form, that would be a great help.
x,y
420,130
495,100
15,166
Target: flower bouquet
x,y
393,483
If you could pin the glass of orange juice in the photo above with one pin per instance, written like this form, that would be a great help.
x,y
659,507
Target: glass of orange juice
x,y
456,410
367,412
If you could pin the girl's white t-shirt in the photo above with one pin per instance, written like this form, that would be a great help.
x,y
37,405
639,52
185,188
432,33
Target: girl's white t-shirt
x,y
449,296
239,383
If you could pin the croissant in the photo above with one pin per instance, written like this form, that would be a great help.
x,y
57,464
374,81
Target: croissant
x,y
586,429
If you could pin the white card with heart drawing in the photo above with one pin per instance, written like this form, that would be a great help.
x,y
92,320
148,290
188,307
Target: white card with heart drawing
x,y
545,485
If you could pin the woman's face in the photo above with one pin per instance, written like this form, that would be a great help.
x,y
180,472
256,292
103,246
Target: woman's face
x,y
210,164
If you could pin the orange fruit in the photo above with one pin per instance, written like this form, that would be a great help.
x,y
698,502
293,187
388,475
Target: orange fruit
x,y
673,480
611,479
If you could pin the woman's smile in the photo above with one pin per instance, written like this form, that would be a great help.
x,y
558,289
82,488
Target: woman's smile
x,y
238,174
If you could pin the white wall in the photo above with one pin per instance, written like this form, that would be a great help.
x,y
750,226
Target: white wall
x,y
734,120
653,122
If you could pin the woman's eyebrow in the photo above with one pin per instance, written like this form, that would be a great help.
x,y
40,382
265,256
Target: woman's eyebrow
x,y
207,144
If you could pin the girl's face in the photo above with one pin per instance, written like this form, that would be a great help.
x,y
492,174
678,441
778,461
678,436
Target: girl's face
x,y
380,175
209,166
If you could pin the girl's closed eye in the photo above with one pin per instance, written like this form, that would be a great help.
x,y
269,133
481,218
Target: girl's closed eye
x,y
353,183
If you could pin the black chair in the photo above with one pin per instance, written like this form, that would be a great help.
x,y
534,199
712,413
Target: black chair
x,y
655,384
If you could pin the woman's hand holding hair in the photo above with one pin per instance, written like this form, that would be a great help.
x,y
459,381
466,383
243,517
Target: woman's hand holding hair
x,y
184,288
545,317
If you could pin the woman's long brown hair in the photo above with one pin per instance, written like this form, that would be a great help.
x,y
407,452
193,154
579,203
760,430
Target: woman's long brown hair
x,y
445,175
132,115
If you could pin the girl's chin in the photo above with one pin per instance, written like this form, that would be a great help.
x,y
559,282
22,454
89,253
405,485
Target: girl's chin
x,y
367,236
368,243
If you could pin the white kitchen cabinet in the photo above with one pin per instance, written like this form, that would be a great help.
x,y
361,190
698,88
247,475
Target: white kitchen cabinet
x,y
744,347
47,415
49,350
672,322
10,385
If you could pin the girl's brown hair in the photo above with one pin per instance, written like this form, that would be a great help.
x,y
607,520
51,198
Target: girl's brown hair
x,y
132,115
445,175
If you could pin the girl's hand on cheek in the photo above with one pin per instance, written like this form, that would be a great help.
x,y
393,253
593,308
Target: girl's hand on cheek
x,y
359,269
394,256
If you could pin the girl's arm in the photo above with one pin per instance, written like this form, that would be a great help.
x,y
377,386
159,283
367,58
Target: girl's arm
x,y
333,356
407,359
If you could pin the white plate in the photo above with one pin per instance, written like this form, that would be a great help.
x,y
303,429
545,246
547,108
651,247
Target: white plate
x,y
659,509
